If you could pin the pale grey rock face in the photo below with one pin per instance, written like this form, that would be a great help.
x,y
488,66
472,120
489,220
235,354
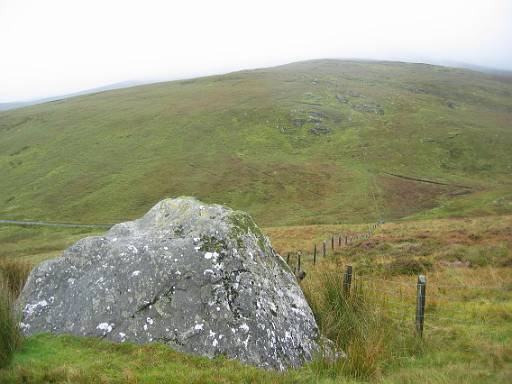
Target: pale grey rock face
x,y
200,278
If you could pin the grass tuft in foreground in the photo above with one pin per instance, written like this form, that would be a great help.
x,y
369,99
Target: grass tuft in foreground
x,y
14,274
360,324
10,336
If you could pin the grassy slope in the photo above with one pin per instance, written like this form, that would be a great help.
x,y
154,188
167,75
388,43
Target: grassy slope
x,y
468,330
232,139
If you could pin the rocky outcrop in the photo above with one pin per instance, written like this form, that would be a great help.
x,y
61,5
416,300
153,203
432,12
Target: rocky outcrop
x,y
320,130
369,108
200,278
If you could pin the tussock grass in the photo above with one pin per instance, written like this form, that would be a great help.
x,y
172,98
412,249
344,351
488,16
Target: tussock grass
x,y
408,266
10,336
360,323
14,275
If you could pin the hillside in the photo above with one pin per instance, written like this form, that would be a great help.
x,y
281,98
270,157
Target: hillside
x,y
312,142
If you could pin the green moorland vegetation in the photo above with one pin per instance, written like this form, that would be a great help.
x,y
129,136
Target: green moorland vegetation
x,y
468,329
302,147
314,142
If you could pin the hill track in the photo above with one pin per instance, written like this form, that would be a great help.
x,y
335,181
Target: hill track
x,y
59,225
428,181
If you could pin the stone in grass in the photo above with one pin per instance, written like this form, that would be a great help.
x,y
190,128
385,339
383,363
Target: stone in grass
x,y
200,278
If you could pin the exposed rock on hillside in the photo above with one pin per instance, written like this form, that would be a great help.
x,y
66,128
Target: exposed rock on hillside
x,y
200,278
320,130
342,98
369,108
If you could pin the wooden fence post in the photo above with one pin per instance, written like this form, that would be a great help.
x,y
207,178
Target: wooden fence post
x,y
347,280
324,250
288,258
332,244
346,239
420,304
298,261
314,255
339,241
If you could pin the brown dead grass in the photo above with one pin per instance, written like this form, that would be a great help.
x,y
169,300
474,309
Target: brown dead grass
x,y
474,231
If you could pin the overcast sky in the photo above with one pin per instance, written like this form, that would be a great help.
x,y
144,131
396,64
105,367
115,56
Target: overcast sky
x,y
51,47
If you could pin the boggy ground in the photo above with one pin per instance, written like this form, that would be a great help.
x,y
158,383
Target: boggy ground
x,y
468,322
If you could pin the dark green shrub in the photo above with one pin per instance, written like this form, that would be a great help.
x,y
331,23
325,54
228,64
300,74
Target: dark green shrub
x,y
408,266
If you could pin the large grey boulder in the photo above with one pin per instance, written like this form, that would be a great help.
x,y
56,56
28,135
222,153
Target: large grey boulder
x,y
200,278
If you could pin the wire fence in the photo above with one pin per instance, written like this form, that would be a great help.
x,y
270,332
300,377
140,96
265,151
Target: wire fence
x,y
430,305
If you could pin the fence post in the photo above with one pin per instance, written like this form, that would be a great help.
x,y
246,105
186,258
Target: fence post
x,y
298,261
420,304
339,241
347,279
324,249
346,239
332,244
288,258
314,255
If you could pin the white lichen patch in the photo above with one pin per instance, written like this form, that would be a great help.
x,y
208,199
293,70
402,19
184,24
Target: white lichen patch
x,y
135,273
244,327
199,327
209,255
31,308
218,267
246,341
24,327
105,327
